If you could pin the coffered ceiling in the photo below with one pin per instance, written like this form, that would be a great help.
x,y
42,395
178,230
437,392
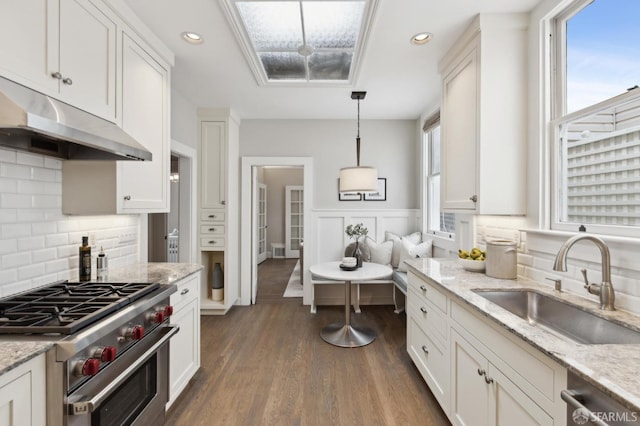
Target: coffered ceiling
x,y
400,78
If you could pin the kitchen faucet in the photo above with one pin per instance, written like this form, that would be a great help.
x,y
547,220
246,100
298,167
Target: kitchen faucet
x,y
605,289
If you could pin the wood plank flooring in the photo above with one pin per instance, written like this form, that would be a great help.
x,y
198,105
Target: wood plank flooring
x,y
267,365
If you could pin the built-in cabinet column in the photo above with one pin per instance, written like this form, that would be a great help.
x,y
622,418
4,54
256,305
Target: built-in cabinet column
x,y
484,117
294,220
218,206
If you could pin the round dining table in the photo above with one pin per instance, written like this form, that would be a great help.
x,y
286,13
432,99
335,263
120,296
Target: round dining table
x,y
345,334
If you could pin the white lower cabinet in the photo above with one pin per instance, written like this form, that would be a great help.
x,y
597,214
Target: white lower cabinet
x,y
184,355
479,373
22,394
483,395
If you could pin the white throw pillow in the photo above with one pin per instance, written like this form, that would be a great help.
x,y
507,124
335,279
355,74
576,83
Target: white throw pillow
x,y
412,251
415,238
380,253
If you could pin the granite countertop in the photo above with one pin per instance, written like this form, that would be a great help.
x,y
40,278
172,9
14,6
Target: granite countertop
x,y
18,350
613,368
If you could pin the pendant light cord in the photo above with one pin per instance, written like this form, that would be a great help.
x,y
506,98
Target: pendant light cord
x,y
358,138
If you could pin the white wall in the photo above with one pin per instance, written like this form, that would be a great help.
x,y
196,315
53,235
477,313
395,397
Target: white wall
x,y
388,145
39,244
184,120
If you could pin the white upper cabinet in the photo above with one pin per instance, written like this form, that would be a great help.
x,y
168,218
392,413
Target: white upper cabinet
x,y
484,118
65,49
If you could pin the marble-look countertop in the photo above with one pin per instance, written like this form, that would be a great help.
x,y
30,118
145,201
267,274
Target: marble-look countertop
x,y
16,350
613,368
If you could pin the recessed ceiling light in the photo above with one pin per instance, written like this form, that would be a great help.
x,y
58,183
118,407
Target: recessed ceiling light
x,y
421,38
191,37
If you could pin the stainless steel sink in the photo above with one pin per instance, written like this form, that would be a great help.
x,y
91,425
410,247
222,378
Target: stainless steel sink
x,y
560,317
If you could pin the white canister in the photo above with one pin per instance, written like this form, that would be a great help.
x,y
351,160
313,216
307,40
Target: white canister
x,y
502,259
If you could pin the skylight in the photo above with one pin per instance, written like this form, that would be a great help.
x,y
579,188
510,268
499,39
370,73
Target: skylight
x,y
293,41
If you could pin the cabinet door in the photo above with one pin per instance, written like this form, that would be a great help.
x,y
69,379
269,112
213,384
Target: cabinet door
x,y
143,186
469,391
511,406
29,43
22,394
184,347
460,120
88,58
213,154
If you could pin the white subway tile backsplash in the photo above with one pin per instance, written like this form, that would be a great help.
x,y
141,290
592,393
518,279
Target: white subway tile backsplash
x,y
38,243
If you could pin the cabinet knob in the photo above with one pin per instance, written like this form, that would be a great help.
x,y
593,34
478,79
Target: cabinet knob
x,y
223,202
127,197
481,372
183,292
474,198
423,309
67,81
56,75
425,350
488,380
423,288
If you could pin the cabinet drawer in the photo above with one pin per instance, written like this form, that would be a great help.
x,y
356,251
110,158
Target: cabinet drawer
x,y
212,215
187,290
428,317
431,360
528,371
212,229
428,291
212,241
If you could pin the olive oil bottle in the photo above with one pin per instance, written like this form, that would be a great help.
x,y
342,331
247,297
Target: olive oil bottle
x,y
84,266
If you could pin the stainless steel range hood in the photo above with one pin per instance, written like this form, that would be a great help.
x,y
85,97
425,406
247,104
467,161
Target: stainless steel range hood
x,y
38,123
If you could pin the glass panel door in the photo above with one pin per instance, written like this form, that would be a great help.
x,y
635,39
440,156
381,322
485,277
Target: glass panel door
x,y
293,220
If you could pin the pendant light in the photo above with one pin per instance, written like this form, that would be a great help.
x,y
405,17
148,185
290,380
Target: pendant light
x,y
359,178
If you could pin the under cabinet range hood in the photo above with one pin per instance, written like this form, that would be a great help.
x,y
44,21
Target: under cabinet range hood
x,y
40,124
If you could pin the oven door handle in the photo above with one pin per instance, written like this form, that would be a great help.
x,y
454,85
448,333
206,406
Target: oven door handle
x,y
573,399
87,407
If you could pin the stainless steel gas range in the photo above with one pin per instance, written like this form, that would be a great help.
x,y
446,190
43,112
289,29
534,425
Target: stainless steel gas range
x,y
109,365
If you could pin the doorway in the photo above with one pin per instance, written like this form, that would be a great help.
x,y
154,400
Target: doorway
x,y
250,239
172,235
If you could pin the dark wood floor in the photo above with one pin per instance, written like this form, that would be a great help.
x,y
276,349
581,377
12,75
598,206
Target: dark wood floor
x,y
267,365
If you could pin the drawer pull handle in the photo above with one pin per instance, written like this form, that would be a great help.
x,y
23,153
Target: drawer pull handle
x,y
423,288
425,350
212,241
423,309
488,380
127,197
183,292
481,372
212,229
212,216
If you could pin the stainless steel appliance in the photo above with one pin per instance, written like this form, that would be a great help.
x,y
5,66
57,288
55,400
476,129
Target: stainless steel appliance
x,y
588,405
109,365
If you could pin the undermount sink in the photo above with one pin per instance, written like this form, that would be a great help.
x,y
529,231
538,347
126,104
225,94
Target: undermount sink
x,y
560,317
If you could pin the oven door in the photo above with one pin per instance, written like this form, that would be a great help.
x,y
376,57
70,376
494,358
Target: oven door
x,y
133,390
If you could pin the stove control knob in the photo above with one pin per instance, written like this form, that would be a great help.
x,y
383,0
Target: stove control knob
x,y
156,317
88,367
168,311
134,333
105,354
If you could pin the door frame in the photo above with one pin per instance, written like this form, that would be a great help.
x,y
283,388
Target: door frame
x,y
188,222
248,279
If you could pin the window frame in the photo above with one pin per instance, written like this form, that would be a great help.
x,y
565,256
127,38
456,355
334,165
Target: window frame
x,y
559,116
428,213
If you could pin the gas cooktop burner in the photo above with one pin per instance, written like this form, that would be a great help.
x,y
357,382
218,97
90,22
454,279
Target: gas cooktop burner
x,y
66,307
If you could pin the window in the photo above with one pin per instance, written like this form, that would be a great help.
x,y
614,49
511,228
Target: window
x,y
438,223
596,128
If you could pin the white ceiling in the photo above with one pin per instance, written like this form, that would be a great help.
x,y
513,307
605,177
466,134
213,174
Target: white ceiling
x,y
401,79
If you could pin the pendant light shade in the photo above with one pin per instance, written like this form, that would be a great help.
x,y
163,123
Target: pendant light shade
x,y
359,178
